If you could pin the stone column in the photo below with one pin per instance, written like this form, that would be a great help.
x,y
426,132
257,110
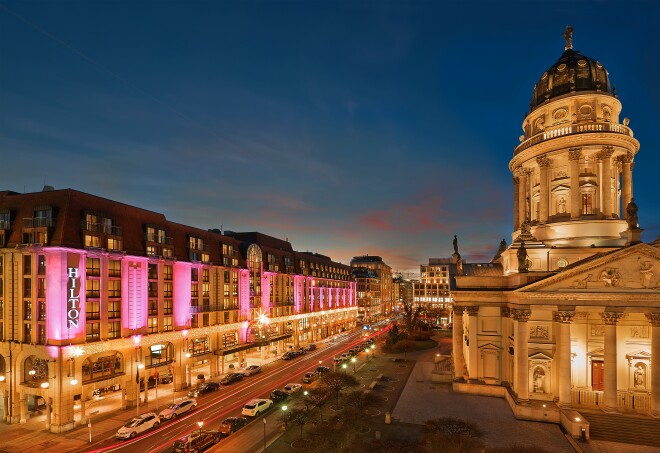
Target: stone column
x,y
49,412
605,156
505,314
544,200
610,318
521,353
23,409
457,343
574,156
522,195
516,201
626,183
5,406
473,351
564,318
654,318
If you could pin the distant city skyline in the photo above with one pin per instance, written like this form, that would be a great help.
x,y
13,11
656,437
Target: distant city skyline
x,y
348,128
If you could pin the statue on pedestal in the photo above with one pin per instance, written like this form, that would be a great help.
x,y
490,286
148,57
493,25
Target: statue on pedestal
x,y
523,261
631,215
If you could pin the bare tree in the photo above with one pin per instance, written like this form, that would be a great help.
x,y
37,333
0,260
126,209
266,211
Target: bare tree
x,y
411,317
317,398
361,399
300,417
336,382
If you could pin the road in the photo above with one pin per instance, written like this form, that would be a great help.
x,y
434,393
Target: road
x,y
228,401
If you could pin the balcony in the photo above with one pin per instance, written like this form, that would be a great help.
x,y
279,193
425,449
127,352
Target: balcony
x,y
571,130
37,222
5,225
101,228
205,308
153,237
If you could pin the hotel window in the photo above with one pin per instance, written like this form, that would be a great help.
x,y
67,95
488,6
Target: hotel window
x,y
152,288
93,267
153,325
92,241
114,309
153,307
152,250
167,323
27,333
205,290
41,334
114,244
93,310
42,311
153,271
41,287
167,306
93,288
194,274
27,265
114,288
93,331
27,310
587,207
167,289
27,287
167,272
114,268
205,275
41,265
114,329
226,291
167,252
194,290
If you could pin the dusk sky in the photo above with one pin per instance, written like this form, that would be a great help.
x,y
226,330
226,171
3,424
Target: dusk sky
x,y
347,127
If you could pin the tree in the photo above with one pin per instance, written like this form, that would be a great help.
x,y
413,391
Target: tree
x,y
411,316
361,399
336,382
299,416
404,346
394,335
452,435
317,398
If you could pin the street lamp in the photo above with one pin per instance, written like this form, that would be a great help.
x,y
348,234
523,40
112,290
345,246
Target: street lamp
x,y
353,359
284,408
343,366
200,423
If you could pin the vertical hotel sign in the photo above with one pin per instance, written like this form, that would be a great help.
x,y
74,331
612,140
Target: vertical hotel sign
x,y
73,291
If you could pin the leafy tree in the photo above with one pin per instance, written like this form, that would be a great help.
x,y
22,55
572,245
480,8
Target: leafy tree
x,y
336,382
411,317
394,335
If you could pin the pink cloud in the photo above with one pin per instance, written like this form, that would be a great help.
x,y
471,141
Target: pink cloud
x,y
419,215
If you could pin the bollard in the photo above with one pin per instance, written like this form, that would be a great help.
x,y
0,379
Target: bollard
x,y
583,434
388,418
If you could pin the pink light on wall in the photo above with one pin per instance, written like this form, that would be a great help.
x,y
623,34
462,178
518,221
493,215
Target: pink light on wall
x,y
134,292
298,293
353,295
265,292
181,294
244,294
65,295
244,329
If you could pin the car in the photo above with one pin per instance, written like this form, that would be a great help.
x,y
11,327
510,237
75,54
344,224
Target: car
x,y
196,441
231,425
278,395
231,378
353,351
289,355
322,369
166,378
292,388
252,369
311,347
256,406
177,409
345,356
337,360
310,377
301,351
138,425
204,388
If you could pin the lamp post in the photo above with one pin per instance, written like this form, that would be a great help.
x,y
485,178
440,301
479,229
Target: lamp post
x,y
353,360
305,394
200,423
139,367
264,419
188,370
284,408
343,367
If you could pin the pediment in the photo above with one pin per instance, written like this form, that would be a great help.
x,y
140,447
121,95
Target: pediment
x,y
490,346
637,355
540,356
631,269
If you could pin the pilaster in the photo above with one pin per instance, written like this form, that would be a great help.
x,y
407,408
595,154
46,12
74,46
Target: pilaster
x,y
564,318
654,319
610,318
574,156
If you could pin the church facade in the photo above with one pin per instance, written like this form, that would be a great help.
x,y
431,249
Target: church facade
x,y
568,316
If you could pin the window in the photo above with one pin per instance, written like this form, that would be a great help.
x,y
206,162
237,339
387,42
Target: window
x,y
205,290
27,310
114,268
41,265
42,310
93,288
92,241
167,289
102,367
41,287
153,325
167,252
114,288
167,272
93,267
205,275
27,333
93,331
114,244
152,288
27,287
587,204
194,274
153,271
152,250
41,334
27,265
114,309
93,310
153,307
114,329
167,323
167,306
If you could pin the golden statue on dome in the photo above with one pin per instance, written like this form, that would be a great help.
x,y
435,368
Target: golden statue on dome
x,y
568,36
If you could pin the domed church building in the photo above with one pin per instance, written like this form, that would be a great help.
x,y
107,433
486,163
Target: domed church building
x,y
565,321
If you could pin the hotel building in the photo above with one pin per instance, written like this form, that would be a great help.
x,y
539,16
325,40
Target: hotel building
x,y
96,294
373,279
433,290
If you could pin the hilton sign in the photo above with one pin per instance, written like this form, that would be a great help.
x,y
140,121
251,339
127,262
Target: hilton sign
x,y
73,292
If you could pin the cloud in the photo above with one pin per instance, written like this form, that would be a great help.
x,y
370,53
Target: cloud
x,y
421,214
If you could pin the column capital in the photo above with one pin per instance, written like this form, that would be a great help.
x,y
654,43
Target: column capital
x,y
458,309
563,316
626,158
521,314
472,310
574,154
505,312
516,180
543,161
611,317
654,318
520,172
605,153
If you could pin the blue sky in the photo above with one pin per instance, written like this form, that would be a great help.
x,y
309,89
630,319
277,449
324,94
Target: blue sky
x,y
346,127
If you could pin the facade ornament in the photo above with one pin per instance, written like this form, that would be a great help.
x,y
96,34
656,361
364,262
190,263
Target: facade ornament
x,y
505,312
563,316
611,276
525,232
626,158
472,310
458,309
516,180
575,153
543,161
631,215
500,250
605,153
611,317
455,242
654,319
568,36
524,262
521,314
646,273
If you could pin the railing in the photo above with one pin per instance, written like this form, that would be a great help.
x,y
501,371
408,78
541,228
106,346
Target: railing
x,y
573,129
5,225
100,228
205,308
153,237
586,397
639,401
37,222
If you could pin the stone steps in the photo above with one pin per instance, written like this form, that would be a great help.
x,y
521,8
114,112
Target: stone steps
x,y
624,428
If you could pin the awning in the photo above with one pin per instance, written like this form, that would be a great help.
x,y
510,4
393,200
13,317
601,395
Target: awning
x,y
245,346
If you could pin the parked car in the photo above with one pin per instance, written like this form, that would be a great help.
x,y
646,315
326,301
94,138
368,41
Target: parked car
x,y
252,369
345,356
291,388
310,377
231,378
322,369
256,406
231,425
138,425
289,355
204,388
354,351
301,351
278,395
311,347
177,409
165,378
196,441
337,360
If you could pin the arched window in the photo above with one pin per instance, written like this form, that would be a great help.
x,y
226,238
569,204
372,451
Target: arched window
x,y
102,366
35,371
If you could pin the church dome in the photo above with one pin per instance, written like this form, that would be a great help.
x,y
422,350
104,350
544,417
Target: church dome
x,y
572,73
